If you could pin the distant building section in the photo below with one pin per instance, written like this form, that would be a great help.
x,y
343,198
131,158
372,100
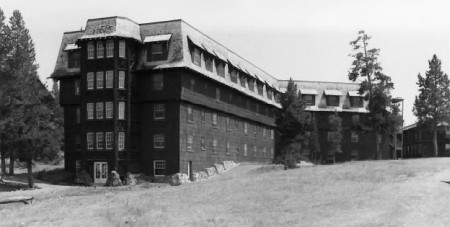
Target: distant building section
x,y
418,142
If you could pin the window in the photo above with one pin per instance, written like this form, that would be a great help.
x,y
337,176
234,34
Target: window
x,y
214,119
355,118
90,80
77,167
214,145
271,134
255,152
78,115
228,124
109,48
208,62
309,100
264,133
264,152
109,79
271,152
159,168
354,154
355,137
189,142
196,56
202,144
158,112
99,110
121,79
158,141
228,148
90,111
251,84
260,88
242,80
269,93
245,127
236,124
254,129
356,101
158,82
220,68
90,50
121,49
77,87
245,150
190,115
157,51
203,116
99,140
74,59
109,110
447,147
233,75
99,80
121,110
192,87
100,49
217,94
332,100
90,140
109,140
121,141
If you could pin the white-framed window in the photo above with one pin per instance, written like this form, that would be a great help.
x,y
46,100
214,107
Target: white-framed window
x,y
109,79
189,142
77,87
109,110
90,140
158,82
159,112
203,143
245,127
214,119
90,50
100,49
159,141
110,48
121,141
121,79
214,145
90,111
109,138
355,137
245,150
90,80
159,167
190,114
99,110
99,80
78,115
121,110
255,152
99,140
122,48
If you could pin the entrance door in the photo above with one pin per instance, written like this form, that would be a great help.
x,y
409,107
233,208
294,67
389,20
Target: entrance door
x,y
100,172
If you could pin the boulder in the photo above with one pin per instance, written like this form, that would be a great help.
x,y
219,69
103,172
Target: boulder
x,y
178,179
84,178
228,165
130,179
113,180
211,171
219,167
203,175
196,176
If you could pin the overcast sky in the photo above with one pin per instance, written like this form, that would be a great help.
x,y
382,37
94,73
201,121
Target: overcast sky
x,y
305,40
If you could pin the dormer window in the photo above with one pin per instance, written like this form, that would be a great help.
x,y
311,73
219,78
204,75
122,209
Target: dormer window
x,y
332,97
233,74
208,62
73,55
157,47
356,100
308,96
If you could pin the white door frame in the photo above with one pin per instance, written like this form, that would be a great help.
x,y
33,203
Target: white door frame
x,y
100,172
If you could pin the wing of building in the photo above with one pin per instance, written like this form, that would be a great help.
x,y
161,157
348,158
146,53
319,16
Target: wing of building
x,y
160,98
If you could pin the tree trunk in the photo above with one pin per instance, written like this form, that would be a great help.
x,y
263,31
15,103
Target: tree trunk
x,y
3,158
378,143
11,162
30,173
435,145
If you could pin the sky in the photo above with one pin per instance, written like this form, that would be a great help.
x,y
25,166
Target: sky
x,y
303,40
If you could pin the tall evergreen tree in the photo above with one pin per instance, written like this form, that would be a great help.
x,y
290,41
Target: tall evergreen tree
x,y
432,105
383,116
336,130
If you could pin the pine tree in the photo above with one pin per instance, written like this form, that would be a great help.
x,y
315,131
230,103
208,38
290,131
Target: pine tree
x,y
336,130
383,116
432,105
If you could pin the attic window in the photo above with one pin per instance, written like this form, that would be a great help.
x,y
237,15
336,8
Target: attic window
x,y
196,56
208,62
309,100
220,68
332,97
233,75
74,59
157,47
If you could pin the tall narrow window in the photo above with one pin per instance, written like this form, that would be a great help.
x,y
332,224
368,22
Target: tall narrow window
x,y
217,94
121,79
214,119
208,62
214,145
109,79
203,144
159,141
78,115
245,128
109,48
220,68
90,80
99,110
189,142
74,59
109,110
90,50
90,111
255,152
109,140
271,134
100,49
159,112
77,87
122,48
203,116
355,137
227,152
90,140
190,115
158,82
264,133
121,110
196,56
121,141
228,124
245,150
99,80
99,140
264,152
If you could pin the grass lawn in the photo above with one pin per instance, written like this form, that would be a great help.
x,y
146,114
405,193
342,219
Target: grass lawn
x,y
372,193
